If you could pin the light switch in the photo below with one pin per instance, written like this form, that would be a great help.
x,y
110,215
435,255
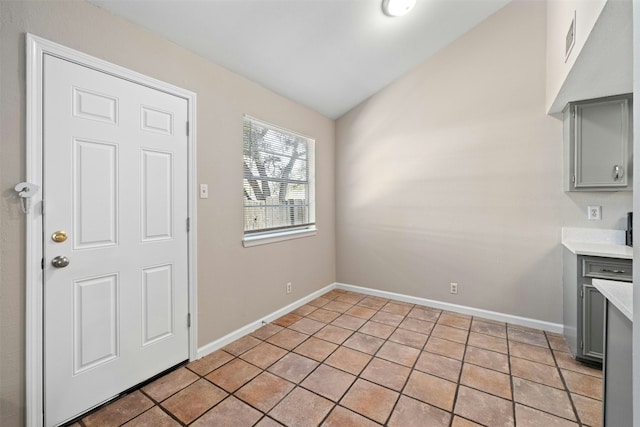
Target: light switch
x,y
204,191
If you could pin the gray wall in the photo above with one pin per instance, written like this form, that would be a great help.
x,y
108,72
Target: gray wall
x,y
454,174
235,285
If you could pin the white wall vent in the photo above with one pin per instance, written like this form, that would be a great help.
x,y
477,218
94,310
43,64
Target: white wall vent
x,y
571,37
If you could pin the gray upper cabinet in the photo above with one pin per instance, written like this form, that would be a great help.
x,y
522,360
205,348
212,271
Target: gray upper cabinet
x,y
598,144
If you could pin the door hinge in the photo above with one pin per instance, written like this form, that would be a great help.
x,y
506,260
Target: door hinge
x,y
573,179
188,224
187,128
582,293
581,345
42,264
189,320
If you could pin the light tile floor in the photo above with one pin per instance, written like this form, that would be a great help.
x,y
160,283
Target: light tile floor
x,y
347,359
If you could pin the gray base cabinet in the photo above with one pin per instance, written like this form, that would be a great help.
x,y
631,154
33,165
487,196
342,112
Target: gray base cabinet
x,y
618,401
584,305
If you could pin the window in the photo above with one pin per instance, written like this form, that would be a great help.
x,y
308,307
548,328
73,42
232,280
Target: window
x,y
278,183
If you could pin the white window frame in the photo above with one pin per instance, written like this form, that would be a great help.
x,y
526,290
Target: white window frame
x,y
294,232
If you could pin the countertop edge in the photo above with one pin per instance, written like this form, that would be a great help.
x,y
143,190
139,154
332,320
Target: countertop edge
x,y
599,249
620,294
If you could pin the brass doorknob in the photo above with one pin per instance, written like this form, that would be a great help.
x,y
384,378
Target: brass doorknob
x,y
59,236
60,261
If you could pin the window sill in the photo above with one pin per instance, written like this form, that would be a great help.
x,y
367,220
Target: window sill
x,y
265,239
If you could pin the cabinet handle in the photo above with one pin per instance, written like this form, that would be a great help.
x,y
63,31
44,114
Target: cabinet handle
x,y
608,270
618,172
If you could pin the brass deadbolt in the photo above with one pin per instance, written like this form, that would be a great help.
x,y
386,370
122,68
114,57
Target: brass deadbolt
x,y
59,236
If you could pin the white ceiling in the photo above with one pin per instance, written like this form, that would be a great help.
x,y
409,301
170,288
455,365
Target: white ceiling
x,y
328,55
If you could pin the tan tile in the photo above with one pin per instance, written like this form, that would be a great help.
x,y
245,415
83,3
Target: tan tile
x,y
413,413
268,422
432,390
374,303
527,337
484,408
365,343
169,384
193,401
529,417
230,413
462,422
386,373
538,372
566,361
155,417
263,355
233,375
316,349
391,319
241,345
557,342
348,360
370,400
488,342
398,353
589,410
334,293
586,385
210,362
496,330
329,382
266,331
305,310
307,326
440,366
392,307
417,325
428,314
287,339
545,398
410,338
487,380
487,359
293,367
264,391
333,334
120,411
319,302
337,306
351,298
446,348
301,408
524,328
455,320
531,352
349,322
322,315
361,312
342,417
450,333
376,329
287,319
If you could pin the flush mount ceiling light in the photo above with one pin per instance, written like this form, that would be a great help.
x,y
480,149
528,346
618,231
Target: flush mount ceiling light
x,y
397,7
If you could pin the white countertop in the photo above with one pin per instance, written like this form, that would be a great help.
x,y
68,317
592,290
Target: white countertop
x,y
620,294
596,242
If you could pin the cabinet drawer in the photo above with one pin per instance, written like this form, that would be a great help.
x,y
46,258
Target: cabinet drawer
x,y
612,269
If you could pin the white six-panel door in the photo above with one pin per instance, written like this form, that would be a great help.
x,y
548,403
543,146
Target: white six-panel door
x,y
115,181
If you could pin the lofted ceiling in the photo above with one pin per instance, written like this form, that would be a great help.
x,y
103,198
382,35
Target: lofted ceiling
x,y
328,55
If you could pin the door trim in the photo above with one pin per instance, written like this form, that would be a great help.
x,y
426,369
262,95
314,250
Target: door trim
x,y
36,49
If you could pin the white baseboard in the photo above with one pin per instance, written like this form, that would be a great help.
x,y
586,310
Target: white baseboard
x,y
247,329
487,314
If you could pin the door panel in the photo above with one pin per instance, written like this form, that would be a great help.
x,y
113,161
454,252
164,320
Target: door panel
x,y
115,178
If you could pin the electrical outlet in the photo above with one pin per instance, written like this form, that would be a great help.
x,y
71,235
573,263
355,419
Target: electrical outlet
x,y
594,213
288,287
204,191
454,288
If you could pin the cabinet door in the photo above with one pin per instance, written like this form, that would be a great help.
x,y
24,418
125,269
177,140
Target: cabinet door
x,y
592,323
602,144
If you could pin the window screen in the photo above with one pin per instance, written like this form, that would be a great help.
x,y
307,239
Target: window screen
x,y
278,178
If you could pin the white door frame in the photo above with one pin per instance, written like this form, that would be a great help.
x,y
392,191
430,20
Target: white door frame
x,y
36,49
